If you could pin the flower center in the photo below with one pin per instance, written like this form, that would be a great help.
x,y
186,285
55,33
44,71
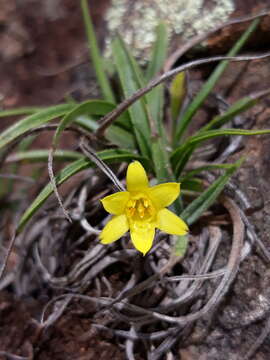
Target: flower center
x,y
140,208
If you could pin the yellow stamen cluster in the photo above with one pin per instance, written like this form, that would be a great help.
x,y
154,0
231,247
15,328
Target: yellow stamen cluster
x,y
140,208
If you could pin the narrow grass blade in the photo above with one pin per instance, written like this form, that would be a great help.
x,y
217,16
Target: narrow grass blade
x,y
238,107
153,104
159,52
180,159
129,81
192,184
33,121
20,111
200,169
208,197
177,156
14,168
120,137
161,160
89,107
159,141
42,156
68,155
115,134
95,55
210,83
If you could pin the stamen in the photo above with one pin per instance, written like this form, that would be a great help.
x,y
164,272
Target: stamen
x,y
145,203
140,209
131,203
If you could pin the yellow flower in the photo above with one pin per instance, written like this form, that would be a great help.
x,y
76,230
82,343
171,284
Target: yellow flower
x,y
141,209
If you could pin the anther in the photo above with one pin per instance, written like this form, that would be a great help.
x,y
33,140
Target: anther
x,y
141,210
131,203
145,203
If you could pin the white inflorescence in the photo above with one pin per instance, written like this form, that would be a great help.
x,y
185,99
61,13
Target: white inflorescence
x,y
136,21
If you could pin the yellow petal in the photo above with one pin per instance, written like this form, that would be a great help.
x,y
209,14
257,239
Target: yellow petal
x,y
171,223
142,238
163,195
115,204
136,177
114,229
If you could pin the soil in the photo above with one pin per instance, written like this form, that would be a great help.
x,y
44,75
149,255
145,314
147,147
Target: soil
x,y
44,57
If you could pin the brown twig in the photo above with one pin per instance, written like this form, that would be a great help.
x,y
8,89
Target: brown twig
x,y
54,186
90,153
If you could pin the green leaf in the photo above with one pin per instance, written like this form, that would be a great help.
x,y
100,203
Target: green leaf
x,y
211,82
159,141
42,155
236,108
153,101
200,169
115,134
154,107
87,122
159,52
192,184
32,122
81,115
129,80
208,197
180,158
113,155
161,160
89,107
192,142
14,168
91,123
95,55
20,111
120,137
